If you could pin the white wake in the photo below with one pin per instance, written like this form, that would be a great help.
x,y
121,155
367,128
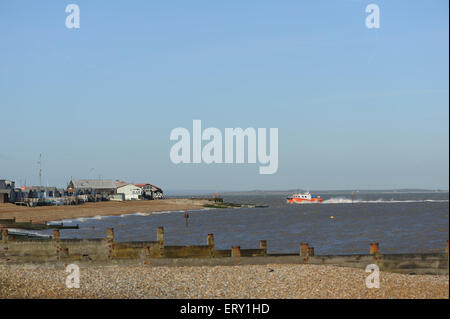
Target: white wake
x,y
343,200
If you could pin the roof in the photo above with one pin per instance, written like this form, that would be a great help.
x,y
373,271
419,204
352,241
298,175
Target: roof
x,y
129,186
145,184
94,183
120,183
141,185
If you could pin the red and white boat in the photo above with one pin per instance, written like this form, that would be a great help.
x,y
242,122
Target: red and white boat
x,y
303,198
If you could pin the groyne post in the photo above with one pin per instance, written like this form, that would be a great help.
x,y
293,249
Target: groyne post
x,y
5,236
446,248
56,239
110,241
311,251
210,243
304,249
374,249
4,246
160,239
236,251
263,245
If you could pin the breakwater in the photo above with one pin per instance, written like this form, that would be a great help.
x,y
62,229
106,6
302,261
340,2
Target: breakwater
x,y
107,250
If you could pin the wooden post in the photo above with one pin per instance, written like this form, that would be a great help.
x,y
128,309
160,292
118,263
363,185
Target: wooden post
x,y
374,248
236,251
263,245
210,243
4,235
56,238
160,238
110,234
110,241
210,240
446,248
304,249
311,251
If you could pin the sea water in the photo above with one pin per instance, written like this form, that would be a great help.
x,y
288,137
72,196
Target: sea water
x,y
402,222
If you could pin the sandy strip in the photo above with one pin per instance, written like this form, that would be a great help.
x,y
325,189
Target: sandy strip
x,y
245,281
111,208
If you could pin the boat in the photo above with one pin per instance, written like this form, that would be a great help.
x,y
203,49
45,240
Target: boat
x,y
303,198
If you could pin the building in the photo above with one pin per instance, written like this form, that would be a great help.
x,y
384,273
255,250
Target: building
x,y
41,192
7,191
103,187
130,191
150,191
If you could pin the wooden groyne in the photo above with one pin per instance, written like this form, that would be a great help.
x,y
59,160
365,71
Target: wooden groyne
x,y
107,250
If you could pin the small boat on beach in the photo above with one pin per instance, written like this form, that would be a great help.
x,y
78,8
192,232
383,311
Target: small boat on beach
x,y
303,198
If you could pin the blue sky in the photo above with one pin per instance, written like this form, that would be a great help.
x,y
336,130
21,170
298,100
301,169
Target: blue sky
x,y
355,107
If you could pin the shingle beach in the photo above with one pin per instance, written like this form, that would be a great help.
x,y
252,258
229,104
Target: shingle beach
x,y
242,281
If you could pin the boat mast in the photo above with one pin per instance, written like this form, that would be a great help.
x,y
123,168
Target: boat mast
x,y
40,171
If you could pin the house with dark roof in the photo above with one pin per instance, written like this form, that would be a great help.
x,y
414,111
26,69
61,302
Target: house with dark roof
x,y
92,187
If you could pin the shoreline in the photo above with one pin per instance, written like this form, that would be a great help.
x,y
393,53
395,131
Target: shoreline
x,y
100,217
43,214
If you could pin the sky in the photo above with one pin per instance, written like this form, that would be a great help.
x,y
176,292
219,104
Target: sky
x,y
355,108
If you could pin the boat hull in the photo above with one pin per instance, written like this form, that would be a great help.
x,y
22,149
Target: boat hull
x,y
303,201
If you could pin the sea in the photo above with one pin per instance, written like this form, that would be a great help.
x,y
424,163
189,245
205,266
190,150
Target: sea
x,y
400,221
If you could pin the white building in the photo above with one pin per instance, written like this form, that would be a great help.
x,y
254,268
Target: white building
x,y
130,191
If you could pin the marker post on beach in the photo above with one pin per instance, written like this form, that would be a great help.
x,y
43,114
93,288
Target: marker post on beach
x,y
304,249
236,253
56,238
110,240
160,239
211,245
263,245
5,236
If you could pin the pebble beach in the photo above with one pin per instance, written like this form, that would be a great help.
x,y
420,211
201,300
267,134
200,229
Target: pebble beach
x,y
240,281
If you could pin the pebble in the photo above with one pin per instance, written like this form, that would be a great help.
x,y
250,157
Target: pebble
x,y
241,281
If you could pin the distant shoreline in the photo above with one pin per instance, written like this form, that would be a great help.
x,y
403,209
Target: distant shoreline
x,y
110,208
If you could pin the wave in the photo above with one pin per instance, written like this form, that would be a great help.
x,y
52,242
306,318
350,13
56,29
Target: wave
x,y
343,200
166,212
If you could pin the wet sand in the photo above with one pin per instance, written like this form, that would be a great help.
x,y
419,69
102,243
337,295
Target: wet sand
x,y
244,281
110,208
